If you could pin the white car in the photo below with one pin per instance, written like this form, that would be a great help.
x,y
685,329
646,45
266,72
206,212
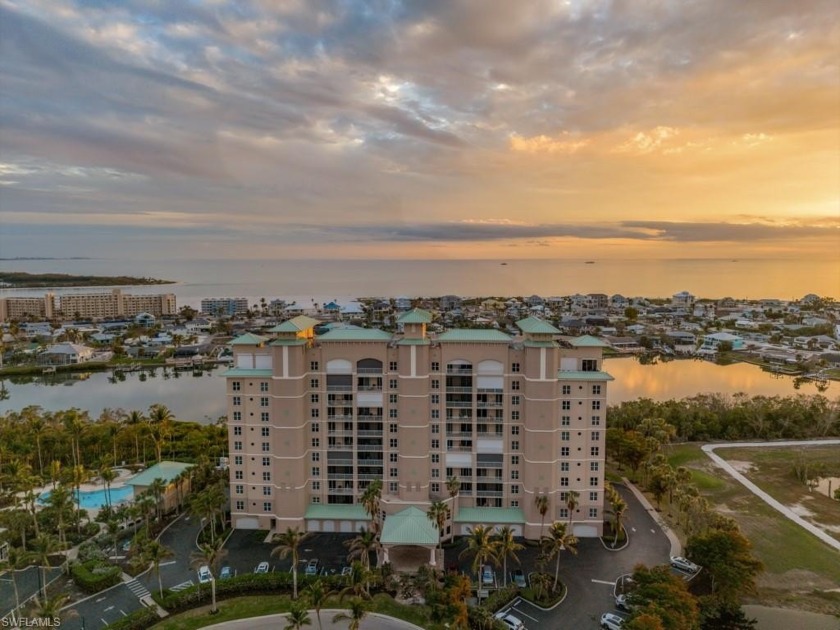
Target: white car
x,y
622,603
683,564
487,575
611,621
204,575
262,567
514,623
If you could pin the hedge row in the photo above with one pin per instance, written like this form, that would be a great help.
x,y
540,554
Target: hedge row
x,y
138,620
93,577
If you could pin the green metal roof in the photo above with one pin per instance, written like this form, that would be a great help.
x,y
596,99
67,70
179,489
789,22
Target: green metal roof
x,y
162,470
530,343
415,316
491,516
355,334
348,512
261,373
410,526
288,342
588,341
413,342
296,325
248,339
474,335
536,326
572,375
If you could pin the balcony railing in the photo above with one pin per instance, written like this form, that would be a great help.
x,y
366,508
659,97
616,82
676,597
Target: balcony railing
x,y
369,447
490,390
489,493
340,417
459,404
458,390
457,434
341,491
370,388
459,448
361,418
459,369
486,405
339,388
369,370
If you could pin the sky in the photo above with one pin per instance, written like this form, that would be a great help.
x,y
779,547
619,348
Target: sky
x,y
435,128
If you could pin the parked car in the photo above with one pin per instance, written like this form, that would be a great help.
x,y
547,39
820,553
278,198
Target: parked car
x,y
204,575
312,567
346,570
518,578
487,575
225,573
514,623
262,567
611,621
684,564
622,603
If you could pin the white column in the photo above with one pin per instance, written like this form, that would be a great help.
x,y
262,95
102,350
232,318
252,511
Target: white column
x,y
433,560
385,557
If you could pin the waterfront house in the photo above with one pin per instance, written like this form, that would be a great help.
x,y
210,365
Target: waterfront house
x,y
711,343
65,354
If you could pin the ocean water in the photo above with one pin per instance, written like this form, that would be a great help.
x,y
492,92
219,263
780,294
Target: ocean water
x,y
320,280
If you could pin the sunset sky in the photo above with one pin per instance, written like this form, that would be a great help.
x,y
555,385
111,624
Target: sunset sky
x,y
476,129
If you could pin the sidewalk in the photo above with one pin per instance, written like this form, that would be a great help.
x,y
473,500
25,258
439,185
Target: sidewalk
x,y
676,545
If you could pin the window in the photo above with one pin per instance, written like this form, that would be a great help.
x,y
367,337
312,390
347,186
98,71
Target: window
x,y
266,506
237,460
237,446
565,420
392,399
316,427
392,457
564,436
567,390
394,443
316,471
239,489
596,435
240,506
514,430
263,387
316,457
316,485
564,482
315,499
435,399
593,481
314,413
564,513
393,487
564,466
514,474
593,512
594,466
313,366
314,383
435,473
589,365
514,503
237,401
514,367
266,447
514,416
435,487
435,366
435,458
596,404
564,451
316,442
266,475
236,386
393,428
314,399
594,451
435,414
596,390
514,460
566,405
266,461
435,429
264,401
514,445
514,400
394,472
435,383
593,496
392,413
392,383
238,475
264,416
265,431
514,489
435,444
596,421
237,416
514,385
237,430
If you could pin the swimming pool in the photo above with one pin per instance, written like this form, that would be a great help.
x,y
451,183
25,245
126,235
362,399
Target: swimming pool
x,y
96,498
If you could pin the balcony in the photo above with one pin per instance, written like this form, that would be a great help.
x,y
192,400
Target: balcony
x,y
364,418
489,493
339,388
340,417
459,449
369,447
344,491
459,404
376,371
458,434
490,390
459,390
497,404
459,369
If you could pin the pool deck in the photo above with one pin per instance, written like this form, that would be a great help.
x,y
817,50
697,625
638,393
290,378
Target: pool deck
x,y
96,484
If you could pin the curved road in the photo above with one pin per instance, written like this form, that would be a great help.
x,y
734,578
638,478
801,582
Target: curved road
x,y
709,449
372,621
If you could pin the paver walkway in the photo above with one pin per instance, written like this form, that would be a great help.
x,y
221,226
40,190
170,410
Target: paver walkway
x,y
709,449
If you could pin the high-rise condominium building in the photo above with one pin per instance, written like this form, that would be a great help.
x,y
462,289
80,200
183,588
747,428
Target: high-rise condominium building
x,y
113,305
313,420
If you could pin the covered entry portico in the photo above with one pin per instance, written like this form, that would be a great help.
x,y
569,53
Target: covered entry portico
x,y
409,539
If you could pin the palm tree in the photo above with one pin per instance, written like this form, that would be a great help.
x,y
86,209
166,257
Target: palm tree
x,y
155,553
55,472
572,502
80,474
619,507
50,607
453,486
361,546
210,554
357,581
157,489
354,615
554,542
37,426
43,547
370,500
298,616
438,513
482,547
289,542
60,501
160,427
506,545
541,501
135,419
75,425
108,475
14,556
317,595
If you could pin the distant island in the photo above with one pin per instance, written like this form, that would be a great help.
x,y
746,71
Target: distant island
x,y
23,280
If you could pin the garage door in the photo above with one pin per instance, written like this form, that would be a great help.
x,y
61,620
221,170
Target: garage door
x,y
328,526
313,526
517,530
247,523
346,527
585,531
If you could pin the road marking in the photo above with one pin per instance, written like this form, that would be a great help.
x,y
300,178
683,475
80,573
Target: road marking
x,y
603,582
526,615
101,599
109,608
166,564
103,621
653,531
124,614
633,529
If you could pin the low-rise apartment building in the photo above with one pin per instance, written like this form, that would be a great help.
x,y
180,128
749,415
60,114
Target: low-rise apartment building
x,y
23,308
113,305
313,420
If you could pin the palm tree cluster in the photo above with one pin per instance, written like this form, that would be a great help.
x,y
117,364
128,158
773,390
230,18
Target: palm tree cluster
x,y
619,507
488,546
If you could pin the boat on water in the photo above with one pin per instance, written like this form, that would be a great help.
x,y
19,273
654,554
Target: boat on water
x,y
504,264
589,262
